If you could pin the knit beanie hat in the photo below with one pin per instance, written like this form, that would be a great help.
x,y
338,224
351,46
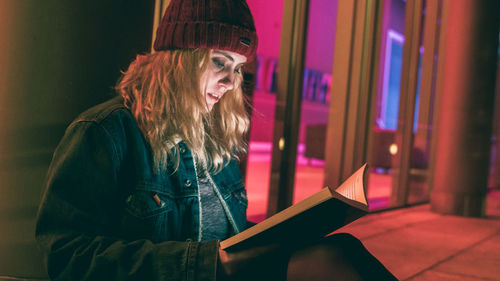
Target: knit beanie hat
x,y
208,24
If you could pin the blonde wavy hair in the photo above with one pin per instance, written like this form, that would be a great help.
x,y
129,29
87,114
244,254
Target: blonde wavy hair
x,y
162,90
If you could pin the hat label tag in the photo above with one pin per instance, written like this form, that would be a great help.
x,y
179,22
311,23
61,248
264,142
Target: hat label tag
x,y
245,41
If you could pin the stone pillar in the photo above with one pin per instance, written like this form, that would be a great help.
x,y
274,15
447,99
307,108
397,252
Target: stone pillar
x,y
468,54
494,180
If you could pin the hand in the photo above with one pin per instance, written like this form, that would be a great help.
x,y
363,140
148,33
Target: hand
x,y
239,263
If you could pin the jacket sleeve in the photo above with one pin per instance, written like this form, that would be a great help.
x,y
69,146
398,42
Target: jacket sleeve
x,y
77,224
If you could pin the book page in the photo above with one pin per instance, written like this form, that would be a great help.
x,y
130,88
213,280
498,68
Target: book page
x,y
354,187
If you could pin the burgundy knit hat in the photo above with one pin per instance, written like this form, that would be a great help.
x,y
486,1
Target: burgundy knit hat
x,y
208,24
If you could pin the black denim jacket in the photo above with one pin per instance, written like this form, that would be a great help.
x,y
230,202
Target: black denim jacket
x,y
106,215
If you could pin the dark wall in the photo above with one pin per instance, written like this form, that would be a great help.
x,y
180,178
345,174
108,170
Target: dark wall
x,y
57,58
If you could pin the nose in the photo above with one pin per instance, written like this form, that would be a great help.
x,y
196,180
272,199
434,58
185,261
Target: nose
x,y
227,81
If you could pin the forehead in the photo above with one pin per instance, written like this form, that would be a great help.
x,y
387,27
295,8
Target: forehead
x,y
232,56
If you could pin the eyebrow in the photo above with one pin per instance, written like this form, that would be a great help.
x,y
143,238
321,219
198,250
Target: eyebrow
x,y
224,54
228,57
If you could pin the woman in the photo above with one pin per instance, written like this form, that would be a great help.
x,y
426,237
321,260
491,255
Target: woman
x,y
143,187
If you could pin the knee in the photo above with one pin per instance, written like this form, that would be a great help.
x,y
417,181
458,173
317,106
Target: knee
x,y
334,255
341,255
336,247
345,240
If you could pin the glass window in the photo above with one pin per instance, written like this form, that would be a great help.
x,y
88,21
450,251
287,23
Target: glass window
x,y
386,107
267,16
309,170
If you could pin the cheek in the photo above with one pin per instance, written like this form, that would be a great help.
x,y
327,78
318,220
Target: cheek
x,y
210,81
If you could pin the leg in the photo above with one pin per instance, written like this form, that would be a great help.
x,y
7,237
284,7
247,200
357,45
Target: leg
x,y
336,257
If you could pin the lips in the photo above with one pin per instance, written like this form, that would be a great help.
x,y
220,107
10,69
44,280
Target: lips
x,y
215,97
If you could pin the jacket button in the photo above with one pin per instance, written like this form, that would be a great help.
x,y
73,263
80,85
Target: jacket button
x,y
187,183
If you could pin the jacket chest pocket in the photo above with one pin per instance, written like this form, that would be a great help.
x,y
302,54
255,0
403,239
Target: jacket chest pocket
x,y
232,185
241,196
234,190
150,213
237,191
147,203
234,193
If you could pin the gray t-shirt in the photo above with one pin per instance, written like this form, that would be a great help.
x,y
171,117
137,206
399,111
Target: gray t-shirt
x,y
214,222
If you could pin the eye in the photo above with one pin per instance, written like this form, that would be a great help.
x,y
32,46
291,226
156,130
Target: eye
x,y
218,63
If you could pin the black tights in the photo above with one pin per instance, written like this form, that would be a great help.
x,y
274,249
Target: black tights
x,y
336,257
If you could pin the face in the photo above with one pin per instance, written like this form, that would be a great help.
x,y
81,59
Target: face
x,y
219,77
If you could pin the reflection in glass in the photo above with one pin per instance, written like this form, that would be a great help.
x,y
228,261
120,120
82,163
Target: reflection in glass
x,y
418,183
316,89
386,108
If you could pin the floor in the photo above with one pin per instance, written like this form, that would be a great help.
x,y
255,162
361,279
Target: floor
x,y
416,244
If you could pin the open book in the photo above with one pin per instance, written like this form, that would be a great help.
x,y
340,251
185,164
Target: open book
x,y
311,218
